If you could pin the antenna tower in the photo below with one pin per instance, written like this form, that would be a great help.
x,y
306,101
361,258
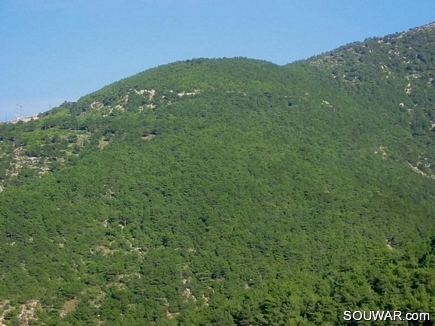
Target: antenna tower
x,y
18,112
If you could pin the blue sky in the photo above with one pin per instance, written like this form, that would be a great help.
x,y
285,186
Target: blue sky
x,y
58,50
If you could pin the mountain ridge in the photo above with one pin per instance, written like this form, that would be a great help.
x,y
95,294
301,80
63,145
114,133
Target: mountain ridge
x,y
227,192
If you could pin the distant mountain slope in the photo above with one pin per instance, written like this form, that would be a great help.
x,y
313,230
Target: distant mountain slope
x,y
227,192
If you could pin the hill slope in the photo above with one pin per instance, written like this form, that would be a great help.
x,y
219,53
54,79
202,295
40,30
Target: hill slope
x,y
227,192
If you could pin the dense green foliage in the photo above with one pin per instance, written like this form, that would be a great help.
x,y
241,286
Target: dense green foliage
x,y
228,192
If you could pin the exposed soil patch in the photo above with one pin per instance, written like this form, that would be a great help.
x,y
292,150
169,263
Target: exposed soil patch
x,y
68,306
148,137
102,143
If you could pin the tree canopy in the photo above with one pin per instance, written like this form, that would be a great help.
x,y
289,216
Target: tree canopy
x,y
228,192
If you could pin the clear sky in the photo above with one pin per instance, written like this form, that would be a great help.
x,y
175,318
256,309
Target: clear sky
x,y
53,51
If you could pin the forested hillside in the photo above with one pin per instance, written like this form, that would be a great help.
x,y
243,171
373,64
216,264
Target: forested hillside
x,y
228,192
